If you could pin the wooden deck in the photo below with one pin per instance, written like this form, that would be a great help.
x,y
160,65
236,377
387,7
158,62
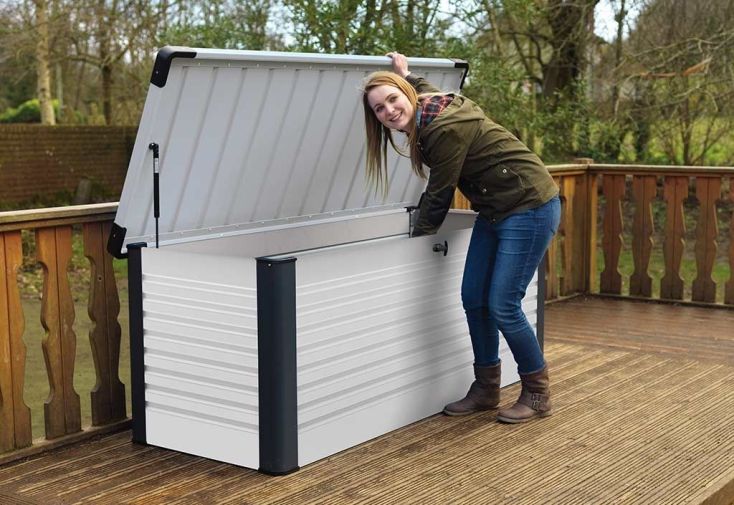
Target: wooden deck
x,y
644,397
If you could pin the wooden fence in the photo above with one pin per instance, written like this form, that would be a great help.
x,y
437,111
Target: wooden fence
x,y
610,201
53,239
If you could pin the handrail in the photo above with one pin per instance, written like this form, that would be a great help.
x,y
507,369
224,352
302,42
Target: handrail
x,y
55,216
691,171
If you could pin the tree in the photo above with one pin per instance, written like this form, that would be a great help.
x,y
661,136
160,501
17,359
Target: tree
x,y
43,71
228,24
537,52
571,25
413,27
17,77
679,69
549,39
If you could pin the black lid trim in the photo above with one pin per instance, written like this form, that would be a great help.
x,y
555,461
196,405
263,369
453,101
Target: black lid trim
x,y
461,64
115,241
163,62
276,261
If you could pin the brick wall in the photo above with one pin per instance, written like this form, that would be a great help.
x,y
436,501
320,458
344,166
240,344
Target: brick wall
x,y
41,161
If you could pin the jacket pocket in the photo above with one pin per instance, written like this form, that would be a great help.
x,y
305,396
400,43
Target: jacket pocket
x,y
500,188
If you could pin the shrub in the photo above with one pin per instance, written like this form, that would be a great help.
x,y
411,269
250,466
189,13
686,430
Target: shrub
x,y
27,112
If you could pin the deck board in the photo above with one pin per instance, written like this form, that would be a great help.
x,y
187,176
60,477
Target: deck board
x,y
644,399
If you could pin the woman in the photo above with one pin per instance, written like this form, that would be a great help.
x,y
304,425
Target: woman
x,y
519,212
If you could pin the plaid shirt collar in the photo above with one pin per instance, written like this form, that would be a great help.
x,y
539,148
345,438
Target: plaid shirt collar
x,y
430,108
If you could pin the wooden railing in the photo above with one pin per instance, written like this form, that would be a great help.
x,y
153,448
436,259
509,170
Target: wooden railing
x,y
649,206
710,200
601,204
53,250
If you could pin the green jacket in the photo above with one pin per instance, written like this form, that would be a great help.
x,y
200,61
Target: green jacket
x,y
496,172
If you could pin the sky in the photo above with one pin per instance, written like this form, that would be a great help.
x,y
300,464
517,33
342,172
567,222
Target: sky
x,y
604,24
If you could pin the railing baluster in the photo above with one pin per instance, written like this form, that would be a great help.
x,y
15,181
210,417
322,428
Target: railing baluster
x,y
708,190
676,191
729,288
15,416
611,279
592,205
644,189
108,395
62,409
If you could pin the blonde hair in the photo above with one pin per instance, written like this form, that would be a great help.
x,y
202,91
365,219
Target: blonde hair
x,y
378,135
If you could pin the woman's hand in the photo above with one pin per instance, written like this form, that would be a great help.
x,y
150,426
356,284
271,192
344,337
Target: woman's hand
x,y
399,63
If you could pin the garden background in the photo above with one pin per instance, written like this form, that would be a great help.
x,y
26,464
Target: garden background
x,y
619,81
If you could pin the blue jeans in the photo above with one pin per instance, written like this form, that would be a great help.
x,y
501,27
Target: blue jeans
x,y
500,264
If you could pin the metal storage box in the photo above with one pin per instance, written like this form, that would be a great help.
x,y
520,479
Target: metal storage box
x,y
286,314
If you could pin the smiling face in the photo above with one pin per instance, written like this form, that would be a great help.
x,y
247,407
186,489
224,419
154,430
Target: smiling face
x,y
391,107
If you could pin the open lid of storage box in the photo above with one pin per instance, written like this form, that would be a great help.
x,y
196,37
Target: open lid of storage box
x,y
249,139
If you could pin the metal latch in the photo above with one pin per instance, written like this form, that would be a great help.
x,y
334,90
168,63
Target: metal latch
x,y
441,247
413,212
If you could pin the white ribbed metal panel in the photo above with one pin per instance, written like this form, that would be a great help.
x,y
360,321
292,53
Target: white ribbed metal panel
x,y
382,338
201,382
248,138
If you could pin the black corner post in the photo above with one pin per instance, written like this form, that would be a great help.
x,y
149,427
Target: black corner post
x,y
276,340
137,365
540,311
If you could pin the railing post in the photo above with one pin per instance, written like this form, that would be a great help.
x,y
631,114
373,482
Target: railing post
x,y
460,201
729,288
62,408
588,208
108,395
551,259
15,416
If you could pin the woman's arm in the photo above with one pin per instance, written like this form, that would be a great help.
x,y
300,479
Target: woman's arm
x,y
399,64
448,150
400,67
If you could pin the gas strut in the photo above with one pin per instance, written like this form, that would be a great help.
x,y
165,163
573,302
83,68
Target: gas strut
x,y
156,189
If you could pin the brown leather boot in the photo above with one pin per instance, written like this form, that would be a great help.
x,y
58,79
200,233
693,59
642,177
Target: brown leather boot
x,y
534,399
484,392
